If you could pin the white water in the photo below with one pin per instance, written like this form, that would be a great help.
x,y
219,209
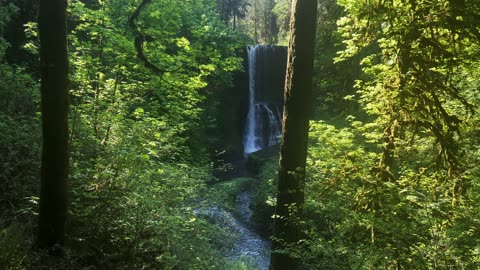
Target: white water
x,y
274,126
258,112
249,244
251,141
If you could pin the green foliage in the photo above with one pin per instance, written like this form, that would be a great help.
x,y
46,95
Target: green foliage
x,y
223,193
244,263
392,186
264,196
137,171
19,162
261,22
143,216
137,166
19,143
6,13
19,154
12,247
416,70
333,90
282,11
232,10
18,92
395,190
355,220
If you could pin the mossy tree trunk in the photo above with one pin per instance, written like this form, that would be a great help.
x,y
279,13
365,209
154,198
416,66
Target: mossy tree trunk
x,y
54,92
293,151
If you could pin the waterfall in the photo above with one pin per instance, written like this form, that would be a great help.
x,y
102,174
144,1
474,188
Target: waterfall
x,y
251,140
266,71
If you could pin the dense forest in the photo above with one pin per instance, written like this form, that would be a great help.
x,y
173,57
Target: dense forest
x,y
134,134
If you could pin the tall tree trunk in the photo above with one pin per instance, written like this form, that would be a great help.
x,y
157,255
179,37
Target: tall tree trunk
x,y
293,151
234,21
54,91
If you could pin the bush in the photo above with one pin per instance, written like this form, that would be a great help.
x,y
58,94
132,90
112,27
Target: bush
x,y
13,248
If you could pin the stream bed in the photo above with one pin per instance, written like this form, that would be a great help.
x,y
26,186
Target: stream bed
x,y
249,244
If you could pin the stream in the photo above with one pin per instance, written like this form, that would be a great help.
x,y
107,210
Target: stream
x,y
249,244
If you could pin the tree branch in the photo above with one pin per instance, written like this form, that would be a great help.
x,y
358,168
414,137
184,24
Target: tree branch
x,y
140,39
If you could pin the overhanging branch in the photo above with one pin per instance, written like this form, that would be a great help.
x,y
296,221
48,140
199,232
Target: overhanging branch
x,y
140,39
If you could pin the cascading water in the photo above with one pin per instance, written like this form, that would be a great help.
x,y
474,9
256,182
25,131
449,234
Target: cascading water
x,y
274,127
266,74
251,141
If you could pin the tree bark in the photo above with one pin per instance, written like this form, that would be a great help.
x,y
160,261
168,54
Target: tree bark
x,y
293,151
54,92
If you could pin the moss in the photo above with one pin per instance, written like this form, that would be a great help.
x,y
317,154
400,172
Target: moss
x,y
258,159
263,197
224,194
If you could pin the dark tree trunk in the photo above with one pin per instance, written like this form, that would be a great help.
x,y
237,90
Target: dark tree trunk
x,y
234,21
293,151
54,91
